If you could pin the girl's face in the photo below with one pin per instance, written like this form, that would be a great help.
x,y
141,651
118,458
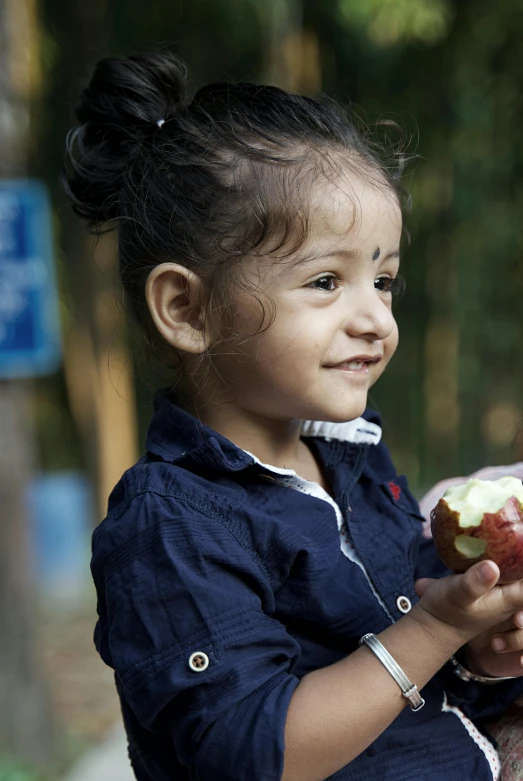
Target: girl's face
x,y
333,332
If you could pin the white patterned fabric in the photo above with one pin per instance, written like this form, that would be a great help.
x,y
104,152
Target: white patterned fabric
x,y
484,744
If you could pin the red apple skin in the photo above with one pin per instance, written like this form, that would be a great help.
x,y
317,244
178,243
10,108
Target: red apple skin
x,y
502,531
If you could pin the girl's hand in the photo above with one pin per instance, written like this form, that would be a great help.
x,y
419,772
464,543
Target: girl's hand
x,y
485,655
473,604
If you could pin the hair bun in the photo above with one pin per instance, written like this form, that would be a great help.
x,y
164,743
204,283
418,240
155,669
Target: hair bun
x,y
119,108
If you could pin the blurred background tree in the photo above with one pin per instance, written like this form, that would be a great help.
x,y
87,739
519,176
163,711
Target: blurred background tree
x,y
27,724
450,72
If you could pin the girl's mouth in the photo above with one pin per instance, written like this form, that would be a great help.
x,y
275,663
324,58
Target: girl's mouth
x,y
353,366
357,364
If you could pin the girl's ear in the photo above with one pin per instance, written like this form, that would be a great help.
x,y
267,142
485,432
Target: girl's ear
x,y
174,296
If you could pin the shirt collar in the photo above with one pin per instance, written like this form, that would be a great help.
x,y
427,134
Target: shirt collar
x,y
174,435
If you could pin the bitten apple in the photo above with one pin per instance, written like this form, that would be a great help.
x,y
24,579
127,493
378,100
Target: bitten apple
x,y
481,519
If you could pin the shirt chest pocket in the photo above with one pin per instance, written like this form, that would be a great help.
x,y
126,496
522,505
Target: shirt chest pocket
x,y
398,492
404,519
386,527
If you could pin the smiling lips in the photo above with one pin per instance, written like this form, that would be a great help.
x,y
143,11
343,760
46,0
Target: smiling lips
x,y
360,363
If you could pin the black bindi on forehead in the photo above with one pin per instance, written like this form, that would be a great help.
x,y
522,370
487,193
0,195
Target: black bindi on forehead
x,y
376,253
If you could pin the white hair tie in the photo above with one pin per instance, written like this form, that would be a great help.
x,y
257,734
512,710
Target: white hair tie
x,y
160,122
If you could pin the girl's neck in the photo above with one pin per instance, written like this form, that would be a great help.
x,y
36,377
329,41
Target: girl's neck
x,y
275,442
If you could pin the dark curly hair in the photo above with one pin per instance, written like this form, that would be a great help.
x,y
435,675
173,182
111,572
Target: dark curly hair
x,y
208,181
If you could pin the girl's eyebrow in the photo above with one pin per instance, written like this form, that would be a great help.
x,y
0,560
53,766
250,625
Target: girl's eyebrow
x,y
395,254
348,254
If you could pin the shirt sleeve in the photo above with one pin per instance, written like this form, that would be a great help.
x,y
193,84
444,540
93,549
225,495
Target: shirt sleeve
x,y
189,583
477,700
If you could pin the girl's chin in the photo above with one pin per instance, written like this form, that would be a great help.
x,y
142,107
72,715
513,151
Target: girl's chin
x,y
340,413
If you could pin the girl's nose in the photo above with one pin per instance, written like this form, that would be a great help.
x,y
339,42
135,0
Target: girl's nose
x,y
370,316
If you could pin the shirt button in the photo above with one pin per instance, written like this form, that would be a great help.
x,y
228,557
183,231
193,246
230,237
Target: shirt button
x,y
198,661
404,604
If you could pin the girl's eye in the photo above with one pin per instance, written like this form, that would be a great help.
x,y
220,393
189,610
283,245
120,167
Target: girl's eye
x,y
327,282
394,285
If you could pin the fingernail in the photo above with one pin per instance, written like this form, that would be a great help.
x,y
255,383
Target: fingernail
x,y
518,618
485,573
521,660
498,644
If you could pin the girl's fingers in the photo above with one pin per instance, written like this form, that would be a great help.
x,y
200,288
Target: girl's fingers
x,y
477,581
506,626
518,619
513,599
503,642
470,586
421,585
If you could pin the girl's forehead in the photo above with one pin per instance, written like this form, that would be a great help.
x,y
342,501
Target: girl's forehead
x,y
353,208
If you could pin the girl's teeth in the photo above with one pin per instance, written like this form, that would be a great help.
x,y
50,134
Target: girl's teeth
x,y
355,364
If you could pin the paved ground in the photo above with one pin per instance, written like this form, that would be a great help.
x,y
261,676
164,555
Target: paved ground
x,y
84,694
105,761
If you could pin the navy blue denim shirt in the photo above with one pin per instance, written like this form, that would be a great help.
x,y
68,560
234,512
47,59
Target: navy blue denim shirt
x,y
204,552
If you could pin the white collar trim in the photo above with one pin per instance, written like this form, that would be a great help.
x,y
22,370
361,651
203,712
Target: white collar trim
x,y
358,431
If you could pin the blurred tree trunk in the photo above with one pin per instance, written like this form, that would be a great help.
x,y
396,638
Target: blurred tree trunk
x,y
27,724
97,364
292,52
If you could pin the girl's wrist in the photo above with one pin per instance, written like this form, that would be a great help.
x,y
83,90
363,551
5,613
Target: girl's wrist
x,y
467,668
420,644
467,658
447,636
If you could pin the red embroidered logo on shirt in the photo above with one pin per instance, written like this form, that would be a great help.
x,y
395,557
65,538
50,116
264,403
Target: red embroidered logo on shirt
x,y
395,490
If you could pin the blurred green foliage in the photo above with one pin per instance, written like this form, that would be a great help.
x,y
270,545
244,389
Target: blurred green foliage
x,y
451,72
11,771
387,22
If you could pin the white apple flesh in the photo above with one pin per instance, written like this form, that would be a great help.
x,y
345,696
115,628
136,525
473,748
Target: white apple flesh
x,y
478,520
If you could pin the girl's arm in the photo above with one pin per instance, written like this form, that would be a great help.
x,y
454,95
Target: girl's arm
x,y
172,581
336,712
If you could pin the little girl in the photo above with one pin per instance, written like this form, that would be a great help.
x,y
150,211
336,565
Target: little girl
x,y
265,532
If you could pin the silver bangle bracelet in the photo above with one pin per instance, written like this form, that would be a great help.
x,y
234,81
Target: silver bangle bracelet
x,y
408,689
466,675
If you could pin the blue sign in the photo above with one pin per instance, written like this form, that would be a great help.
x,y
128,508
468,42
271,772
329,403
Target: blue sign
x,y
29,330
